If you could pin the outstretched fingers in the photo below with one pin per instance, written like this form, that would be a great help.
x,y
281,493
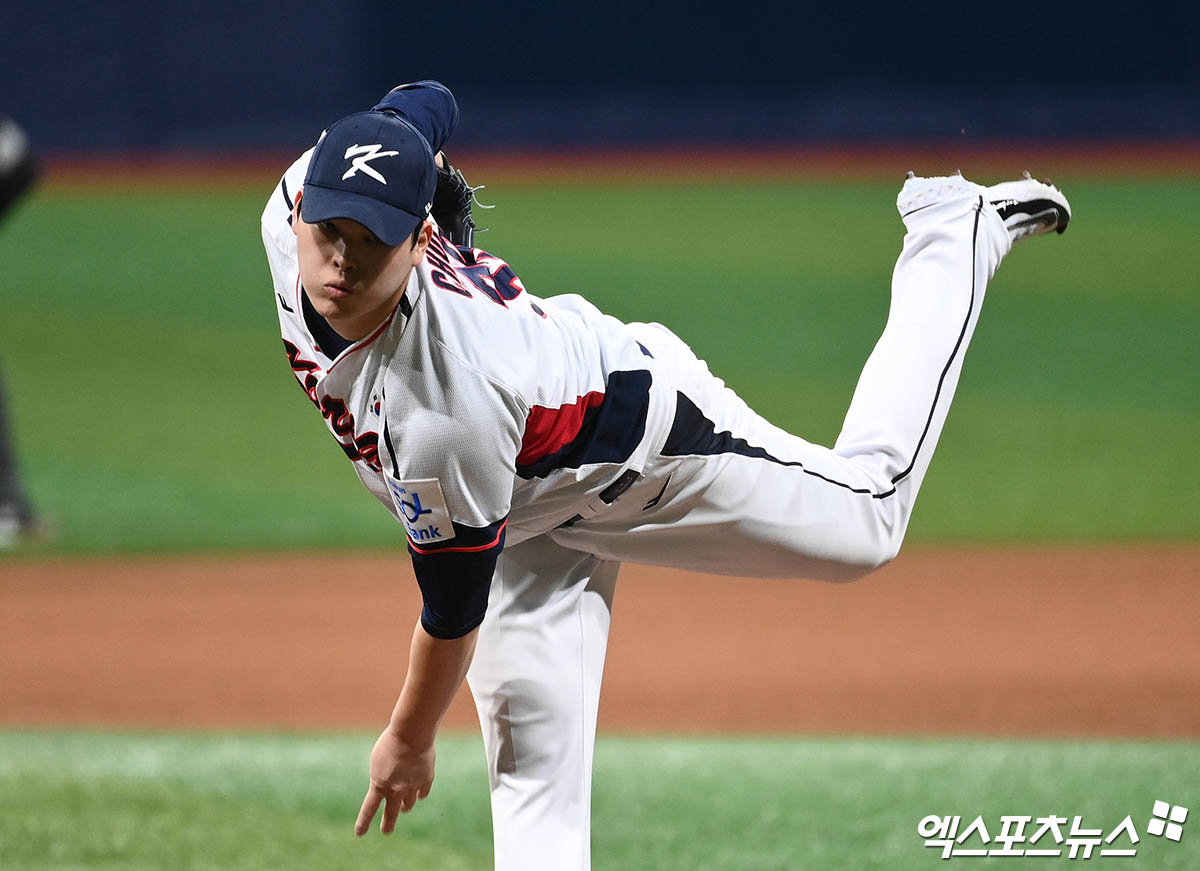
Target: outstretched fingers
x,y
395,803
401,775
367,813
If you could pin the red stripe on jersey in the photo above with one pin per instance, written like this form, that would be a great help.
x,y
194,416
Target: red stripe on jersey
x,y
474,549
550,429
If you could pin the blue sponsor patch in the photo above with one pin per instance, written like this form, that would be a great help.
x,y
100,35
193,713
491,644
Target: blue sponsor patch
x,y
421,506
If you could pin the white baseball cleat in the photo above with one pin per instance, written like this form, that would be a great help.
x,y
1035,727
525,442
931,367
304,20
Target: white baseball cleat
x,y
922,192
1029,207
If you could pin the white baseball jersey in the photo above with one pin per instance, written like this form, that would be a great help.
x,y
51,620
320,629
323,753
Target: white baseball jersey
x,y
477,413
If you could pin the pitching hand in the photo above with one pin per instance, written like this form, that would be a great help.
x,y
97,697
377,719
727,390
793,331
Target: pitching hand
x,y
400,774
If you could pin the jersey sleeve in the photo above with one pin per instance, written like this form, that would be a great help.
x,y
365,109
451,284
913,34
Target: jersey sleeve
x,y
451,439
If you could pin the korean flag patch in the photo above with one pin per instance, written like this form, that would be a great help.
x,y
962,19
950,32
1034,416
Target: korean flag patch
x,y
422,507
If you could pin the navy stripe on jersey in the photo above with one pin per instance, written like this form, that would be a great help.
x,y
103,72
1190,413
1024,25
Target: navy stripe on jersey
x,y
693,434
609,431
329,342
455,577
283,187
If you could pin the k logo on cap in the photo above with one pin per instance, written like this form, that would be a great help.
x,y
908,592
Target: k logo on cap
x,y
386,184
366,154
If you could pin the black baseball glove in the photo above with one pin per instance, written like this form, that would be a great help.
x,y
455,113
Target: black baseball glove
x,y
452,201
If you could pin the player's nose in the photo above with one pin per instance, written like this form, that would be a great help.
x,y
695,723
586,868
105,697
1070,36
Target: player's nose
x,y
342,256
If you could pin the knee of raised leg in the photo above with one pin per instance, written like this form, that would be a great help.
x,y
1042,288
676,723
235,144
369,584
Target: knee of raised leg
x,y
888,552
865,559
889,536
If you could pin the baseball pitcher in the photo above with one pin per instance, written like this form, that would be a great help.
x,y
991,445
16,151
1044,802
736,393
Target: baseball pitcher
x,y
529,445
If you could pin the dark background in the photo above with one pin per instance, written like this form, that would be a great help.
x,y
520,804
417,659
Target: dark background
x,y
147,76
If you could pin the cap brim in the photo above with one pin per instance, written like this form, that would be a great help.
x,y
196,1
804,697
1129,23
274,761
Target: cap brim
x,y
392,225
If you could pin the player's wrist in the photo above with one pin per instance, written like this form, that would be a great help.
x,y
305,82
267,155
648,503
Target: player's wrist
x,y
413,735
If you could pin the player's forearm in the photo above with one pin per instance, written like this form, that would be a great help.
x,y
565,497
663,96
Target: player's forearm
x,y
436,669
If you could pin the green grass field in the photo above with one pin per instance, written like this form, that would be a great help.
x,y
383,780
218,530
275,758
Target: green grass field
x,y
142,802
155,410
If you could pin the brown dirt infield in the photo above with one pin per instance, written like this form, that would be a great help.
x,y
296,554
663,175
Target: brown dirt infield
x,y
1045,642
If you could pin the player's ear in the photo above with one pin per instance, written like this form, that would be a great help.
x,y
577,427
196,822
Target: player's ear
x,y
424,235
296,211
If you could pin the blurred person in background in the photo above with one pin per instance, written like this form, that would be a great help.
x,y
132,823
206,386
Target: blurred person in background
x,y
18,170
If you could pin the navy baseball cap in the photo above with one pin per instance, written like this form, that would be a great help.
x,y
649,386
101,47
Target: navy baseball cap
x,y
374,168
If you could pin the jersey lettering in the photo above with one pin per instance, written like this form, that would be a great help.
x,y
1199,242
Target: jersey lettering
x,y
363,447
446,281
494,278
459,268
334,411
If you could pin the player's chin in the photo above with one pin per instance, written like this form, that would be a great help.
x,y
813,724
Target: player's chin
x,y
325,305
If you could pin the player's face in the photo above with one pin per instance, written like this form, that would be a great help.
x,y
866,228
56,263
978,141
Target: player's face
x,y
352,279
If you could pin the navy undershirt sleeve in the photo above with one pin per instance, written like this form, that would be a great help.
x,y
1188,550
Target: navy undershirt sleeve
x,y
427,105
455,577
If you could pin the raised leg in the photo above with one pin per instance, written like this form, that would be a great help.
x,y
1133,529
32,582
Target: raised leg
x,y
744,497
